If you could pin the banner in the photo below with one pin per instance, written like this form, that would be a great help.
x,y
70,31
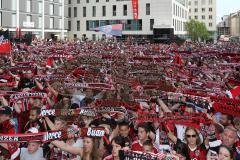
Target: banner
x,y
5,47
49,136
135,9
114,30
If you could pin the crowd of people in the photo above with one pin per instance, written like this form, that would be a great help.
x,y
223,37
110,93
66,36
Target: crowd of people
x,y
109,100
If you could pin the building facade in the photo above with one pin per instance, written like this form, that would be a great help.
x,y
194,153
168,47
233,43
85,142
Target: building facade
x,y
204,11
44,18
85,15
230,25
235,24
223,27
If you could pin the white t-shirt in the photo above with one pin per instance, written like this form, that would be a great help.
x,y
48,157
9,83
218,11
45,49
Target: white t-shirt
x,y
25,155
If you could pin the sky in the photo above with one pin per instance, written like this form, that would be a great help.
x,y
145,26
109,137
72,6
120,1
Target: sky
x,y
225,7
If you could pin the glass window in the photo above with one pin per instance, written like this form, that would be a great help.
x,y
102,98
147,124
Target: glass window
x,y
114,10
51,9
14,5
14,20
69,12
94,11
103,11
148,9
78,25
51,24
39,7
39,22
84,12
125,10
75,11
28,6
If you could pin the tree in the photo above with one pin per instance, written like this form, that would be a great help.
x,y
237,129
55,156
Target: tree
x,y
197,30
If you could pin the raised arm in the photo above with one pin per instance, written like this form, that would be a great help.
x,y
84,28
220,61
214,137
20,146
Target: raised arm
x,y
65,147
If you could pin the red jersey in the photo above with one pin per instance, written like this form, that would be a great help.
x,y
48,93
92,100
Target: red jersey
x,y
137,146
110,157
198,154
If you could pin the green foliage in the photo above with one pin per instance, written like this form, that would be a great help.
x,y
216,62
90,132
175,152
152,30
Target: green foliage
x,y
197,30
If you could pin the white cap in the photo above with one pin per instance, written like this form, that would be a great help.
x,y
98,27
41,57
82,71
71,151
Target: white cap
x,y
33,130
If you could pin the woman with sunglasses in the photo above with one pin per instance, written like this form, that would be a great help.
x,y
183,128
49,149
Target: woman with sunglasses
x,y
196,150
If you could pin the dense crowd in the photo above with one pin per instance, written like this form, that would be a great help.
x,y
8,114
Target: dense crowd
x,y
110,100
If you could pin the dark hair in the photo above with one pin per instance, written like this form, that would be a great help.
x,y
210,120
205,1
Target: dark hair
x,y
148,142
120,141
230,150
195,130
38,110
145,126
182,148
123,123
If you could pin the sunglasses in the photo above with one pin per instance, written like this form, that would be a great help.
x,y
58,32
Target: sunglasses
x,y
193,136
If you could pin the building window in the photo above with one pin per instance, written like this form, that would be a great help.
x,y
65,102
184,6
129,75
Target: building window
x,y
1,4
210,24
39,22
84,12
75,11
190,17
69,26
103,11
14,6
87,1
69,12
60,10
39,7
107,0
97,1
51,9
210,16
60,23
14,20
51,24
203,10
78,1
94,11
196,2
28,5
69,2
210,2
210,9
148,9
29,18
78,25
114,10
94,37
151,24
75,36
195,10
203,17
124,10
196,17
0,18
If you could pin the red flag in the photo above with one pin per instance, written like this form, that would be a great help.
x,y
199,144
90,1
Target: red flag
x,y
5,47
135,9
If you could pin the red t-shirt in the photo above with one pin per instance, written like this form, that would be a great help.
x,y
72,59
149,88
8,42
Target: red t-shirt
x,y
137,146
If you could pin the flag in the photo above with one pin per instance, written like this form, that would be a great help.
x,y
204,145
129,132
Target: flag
x,y
114,30
5,47
135,9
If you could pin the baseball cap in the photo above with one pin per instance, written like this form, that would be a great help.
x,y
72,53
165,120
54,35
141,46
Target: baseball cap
x,y
5,110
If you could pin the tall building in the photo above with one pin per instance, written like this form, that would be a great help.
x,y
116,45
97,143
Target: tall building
x,y
44,18
204,11
223,27
153,15
235,24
